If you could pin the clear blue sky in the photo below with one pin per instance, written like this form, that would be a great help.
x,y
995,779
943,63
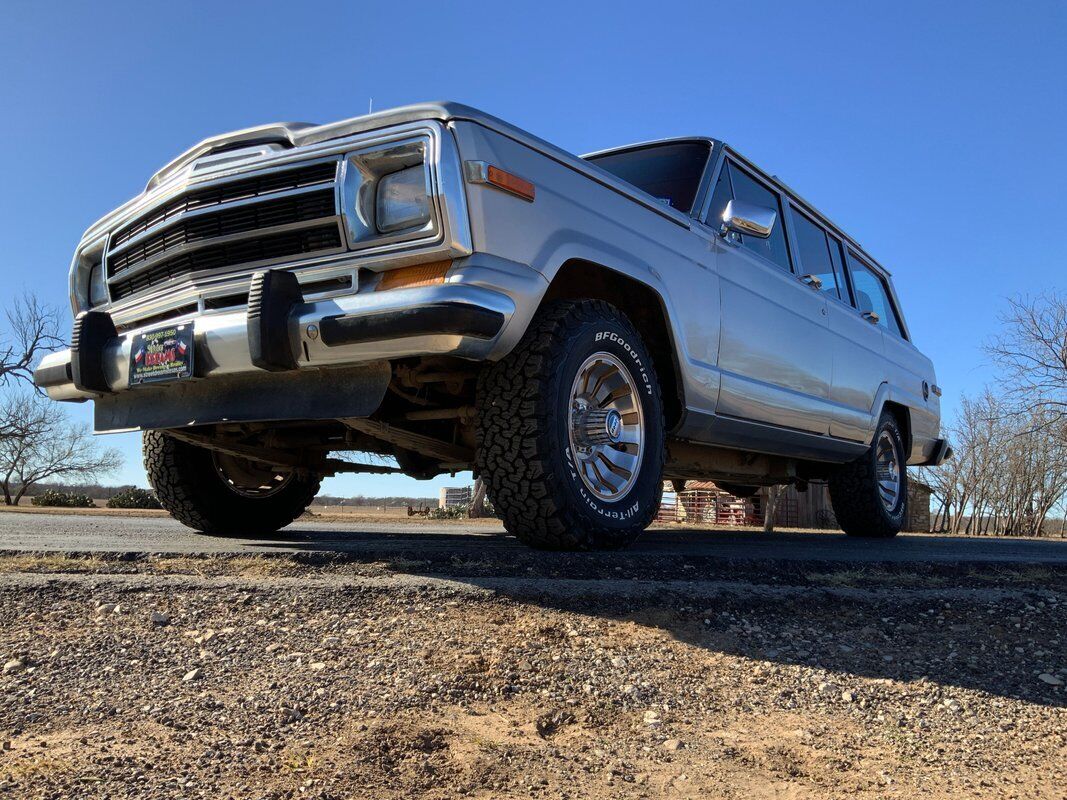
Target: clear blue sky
x,y
934,133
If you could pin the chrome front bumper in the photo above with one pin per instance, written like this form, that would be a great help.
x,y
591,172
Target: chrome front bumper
x,y
463,318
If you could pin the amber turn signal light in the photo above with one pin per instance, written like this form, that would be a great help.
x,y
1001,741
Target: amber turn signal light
x,y
481,172
510,183
411,277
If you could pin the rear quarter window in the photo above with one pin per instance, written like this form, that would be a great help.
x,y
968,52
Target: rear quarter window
x,y
872,294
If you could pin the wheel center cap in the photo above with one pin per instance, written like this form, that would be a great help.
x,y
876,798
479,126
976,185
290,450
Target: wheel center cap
x,y
595,426
613,426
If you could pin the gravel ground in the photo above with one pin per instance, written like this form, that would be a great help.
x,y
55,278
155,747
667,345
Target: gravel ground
x,y
255,677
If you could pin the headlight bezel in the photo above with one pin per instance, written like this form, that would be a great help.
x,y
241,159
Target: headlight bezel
x,y
97,292
88,256
364,170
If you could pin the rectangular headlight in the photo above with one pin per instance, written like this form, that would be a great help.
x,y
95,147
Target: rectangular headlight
x,y
402,201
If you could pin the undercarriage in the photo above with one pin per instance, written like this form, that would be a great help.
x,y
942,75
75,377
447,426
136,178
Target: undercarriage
x,y
425,422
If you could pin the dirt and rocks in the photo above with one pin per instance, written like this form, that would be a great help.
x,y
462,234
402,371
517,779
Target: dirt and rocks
x,y
156,677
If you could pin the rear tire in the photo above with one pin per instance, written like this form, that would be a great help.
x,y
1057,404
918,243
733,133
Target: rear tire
x,y
870,494
222,495
577,393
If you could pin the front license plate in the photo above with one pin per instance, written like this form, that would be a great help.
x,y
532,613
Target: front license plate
x,y
163,354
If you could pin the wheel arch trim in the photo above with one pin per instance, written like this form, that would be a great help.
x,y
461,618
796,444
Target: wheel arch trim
x,y
665,352
903,405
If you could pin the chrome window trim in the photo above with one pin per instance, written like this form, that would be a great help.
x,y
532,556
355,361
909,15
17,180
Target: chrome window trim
x,y
792,207
847,242
850,301
824,220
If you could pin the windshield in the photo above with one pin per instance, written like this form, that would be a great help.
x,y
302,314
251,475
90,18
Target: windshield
x,y
669,172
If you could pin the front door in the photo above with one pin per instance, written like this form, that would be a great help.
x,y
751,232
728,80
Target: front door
x,y
774,344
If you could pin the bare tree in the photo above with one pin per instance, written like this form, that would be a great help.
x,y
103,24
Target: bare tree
x,y
40,443
1009,471
477,507
32,330
1032,353
770,510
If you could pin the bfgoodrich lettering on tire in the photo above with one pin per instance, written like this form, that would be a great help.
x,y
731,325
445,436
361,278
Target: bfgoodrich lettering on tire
x,y
570,430
870,494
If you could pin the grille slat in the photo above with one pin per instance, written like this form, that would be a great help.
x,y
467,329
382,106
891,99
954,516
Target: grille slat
x,y
268,214
264,248
242,189
139,258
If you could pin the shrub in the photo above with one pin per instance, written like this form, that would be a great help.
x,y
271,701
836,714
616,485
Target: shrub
x,y
54,498
458,512
450,512
134,498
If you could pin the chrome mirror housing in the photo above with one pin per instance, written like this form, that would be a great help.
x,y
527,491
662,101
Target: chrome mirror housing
x,y
748,219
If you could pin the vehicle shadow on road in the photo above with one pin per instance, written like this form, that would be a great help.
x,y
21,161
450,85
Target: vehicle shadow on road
x,y
990,626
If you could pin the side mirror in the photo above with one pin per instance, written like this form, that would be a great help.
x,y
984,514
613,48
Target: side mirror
x,y
748,219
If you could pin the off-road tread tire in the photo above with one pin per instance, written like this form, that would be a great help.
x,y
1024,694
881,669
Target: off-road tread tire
x,y
514,437
854,492
187,486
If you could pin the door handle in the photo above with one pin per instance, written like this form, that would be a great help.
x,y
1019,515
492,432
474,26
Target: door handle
x,y
814,281
871,317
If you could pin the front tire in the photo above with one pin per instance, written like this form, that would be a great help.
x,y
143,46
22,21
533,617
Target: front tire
x,y
870,494
220,494
570,431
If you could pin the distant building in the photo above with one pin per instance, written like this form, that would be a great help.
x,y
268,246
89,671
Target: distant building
x,y
452,496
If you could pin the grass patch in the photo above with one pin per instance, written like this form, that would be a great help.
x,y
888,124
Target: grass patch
x,y
866,578
52,562
37,767
301,762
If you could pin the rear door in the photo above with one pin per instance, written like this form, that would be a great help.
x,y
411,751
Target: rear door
x,y
775,353
859,348
856,351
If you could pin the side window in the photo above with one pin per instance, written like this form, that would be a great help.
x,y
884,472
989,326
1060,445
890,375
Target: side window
x,y
873,295
750,190
816,255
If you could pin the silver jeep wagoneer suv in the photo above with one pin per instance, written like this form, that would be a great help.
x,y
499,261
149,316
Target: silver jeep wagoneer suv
x,y
437,286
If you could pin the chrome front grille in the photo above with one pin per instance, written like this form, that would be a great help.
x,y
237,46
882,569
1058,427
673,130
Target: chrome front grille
x,y
244,221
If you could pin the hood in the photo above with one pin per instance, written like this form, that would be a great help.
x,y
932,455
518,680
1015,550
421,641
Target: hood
x,y
297,134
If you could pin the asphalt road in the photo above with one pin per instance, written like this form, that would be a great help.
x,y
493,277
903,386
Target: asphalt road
x,y
85,533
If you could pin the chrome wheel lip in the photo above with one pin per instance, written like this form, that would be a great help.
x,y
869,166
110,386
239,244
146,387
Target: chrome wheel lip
x,y
605,427
888,471
267,488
